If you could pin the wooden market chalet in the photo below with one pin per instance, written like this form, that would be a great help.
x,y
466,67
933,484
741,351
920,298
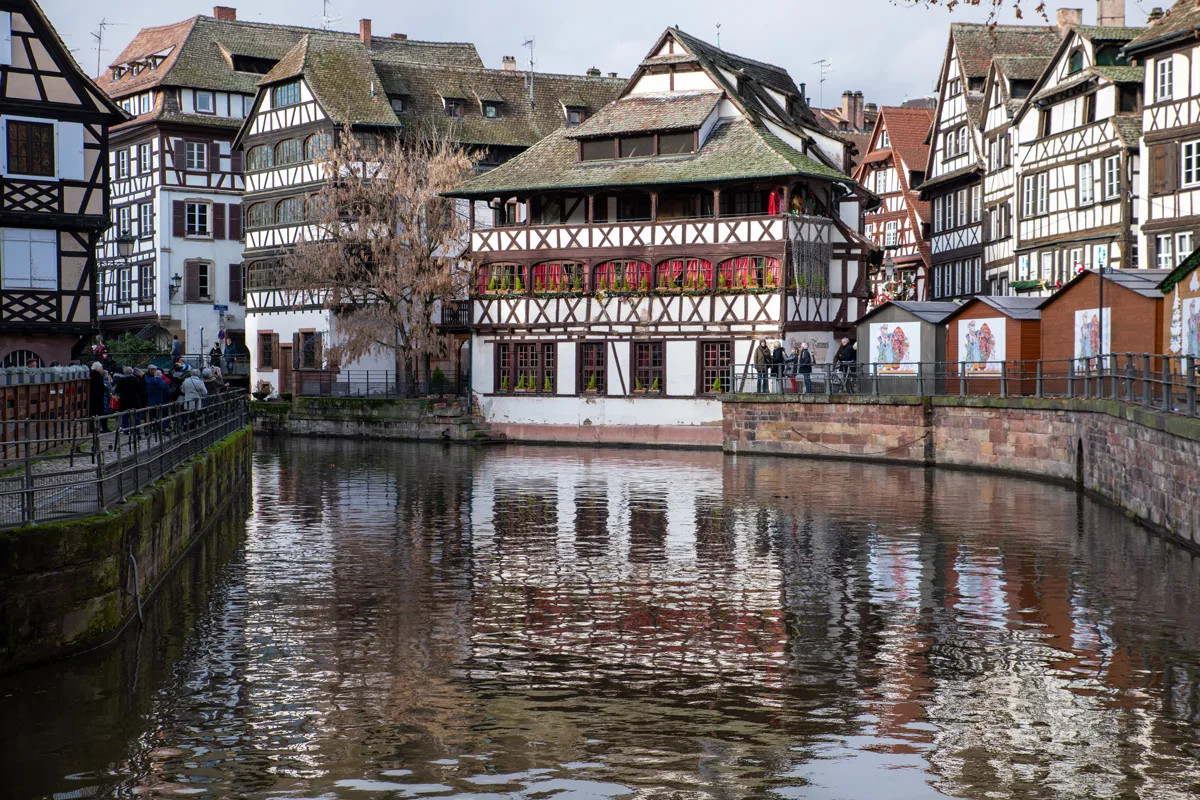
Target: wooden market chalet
x,y
643,253
53,184
893,166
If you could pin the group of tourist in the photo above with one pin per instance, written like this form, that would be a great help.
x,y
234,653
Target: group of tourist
x,y
773,364
116,388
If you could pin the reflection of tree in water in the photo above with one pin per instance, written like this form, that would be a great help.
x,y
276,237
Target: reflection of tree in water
x,y
715,538
591,521
524,515
647,528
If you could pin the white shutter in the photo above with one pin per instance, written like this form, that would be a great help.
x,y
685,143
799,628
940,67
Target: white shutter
x,y
70,151
14,258
5,38
43,259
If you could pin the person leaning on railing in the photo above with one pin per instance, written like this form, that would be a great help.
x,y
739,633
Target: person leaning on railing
x,y
98,393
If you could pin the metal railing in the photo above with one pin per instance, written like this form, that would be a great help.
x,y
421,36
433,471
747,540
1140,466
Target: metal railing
x,y
371,383
456,314
104,460
238,364
1160,382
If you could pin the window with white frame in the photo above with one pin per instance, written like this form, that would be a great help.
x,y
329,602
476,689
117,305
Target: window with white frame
x,y
994,224
124,284
1028,188
891,234
1191,163
204,279
145,283
885,141
145,103
145,219
962,140
1183,247
949,209
1076,261
144,158
196,156
1112,177
1047,266
976,203
937,214
1164,252
197,219
122,163
124,221
1087,190
1043,182
949,141
204,103
960,200
28,259
1164,79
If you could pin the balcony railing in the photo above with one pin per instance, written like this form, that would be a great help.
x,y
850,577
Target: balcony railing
x,y
456,315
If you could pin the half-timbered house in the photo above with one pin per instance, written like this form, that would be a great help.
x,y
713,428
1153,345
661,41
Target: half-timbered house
x,y
53,180
954,175
1169,186
330,86
701,211
1077,161
892,166
177,178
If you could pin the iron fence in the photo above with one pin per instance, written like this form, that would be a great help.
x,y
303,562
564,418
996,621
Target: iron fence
x,y
99,461
233,364
373,383
1160,382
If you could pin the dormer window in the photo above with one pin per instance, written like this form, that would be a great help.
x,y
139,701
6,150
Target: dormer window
x,y
491,110
575,116
1110,55
397,103
253,65
885,141
1075,63
454,108
638,146
975,84
204,103
1020,88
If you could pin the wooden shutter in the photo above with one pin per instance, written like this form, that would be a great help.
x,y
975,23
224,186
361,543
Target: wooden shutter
x,y
214,157
1173,167
318,350
179,218
235,283
180,155
235,161
1158,169
275,352
262,364
191,282
295,351
218,220
235,222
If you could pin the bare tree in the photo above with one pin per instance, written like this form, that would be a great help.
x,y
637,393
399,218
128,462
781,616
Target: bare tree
x,y
382,248
1038,7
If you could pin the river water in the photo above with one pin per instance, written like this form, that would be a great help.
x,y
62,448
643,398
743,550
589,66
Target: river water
x,y
404,620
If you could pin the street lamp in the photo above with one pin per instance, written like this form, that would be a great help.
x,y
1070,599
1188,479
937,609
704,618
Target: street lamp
x,y
176,282
125,245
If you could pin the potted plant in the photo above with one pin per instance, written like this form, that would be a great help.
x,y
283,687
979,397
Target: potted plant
x,y
591,384
492,285
504,384
701,284
716,387
645,283
517,288
721,281
638,388
548,388
654,387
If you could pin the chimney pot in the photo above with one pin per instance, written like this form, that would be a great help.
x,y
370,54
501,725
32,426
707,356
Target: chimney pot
x,y
400,36
1155,14
364,32
509,63
612,74
225,12
1066,18
593,73
1110,13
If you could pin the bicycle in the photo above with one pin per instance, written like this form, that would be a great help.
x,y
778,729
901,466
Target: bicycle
x,y
844,378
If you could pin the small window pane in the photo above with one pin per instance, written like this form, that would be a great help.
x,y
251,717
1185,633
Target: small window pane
x,y
673,143
597,149
637,146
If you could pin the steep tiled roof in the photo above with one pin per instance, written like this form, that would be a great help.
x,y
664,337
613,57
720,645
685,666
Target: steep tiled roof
x,y
653,112
734,151
906,129
1105,33
199,53
1180,21
978,44
1022,68
1121,74
340,72
1129,128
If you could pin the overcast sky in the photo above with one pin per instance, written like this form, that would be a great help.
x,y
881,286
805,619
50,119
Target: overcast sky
x,y
888,49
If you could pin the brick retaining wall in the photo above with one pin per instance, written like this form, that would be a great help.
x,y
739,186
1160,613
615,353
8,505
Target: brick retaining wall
x,y
1145,462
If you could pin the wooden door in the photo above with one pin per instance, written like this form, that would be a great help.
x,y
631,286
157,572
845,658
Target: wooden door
x,y
285,368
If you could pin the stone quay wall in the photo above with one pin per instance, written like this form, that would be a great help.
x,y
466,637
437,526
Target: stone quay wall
x,y
1145,462
69,586
370,418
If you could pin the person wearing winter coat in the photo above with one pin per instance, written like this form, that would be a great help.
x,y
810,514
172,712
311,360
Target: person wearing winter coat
x,y
804,365
98,393
777,361
194,390
762,363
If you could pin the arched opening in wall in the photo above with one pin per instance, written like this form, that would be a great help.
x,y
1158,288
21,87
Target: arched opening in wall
x,y
22,358
1079,461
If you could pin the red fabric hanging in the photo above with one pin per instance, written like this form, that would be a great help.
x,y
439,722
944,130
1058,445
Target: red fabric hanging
x,y
773,204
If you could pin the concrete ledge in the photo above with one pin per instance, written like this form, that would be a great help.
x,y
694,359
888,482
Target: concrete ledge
x,y
706,437
396,418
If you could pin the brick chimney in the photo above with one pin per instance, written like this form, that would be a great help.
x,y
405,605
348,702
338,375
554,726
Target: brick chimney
x,y
364,32
401,36
1110,13
1066,18
594,72
860,116
612,74
848,107
509,63
225,12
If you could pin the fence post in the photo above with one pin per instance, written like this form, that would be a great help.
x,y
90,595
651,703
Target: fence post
x,y
874,380
1039,386
1129,376
1113,371
1004,379
1087,378
1147,389
962,378
98,457
1189,381
1071,379
30,511
921,378
1166,383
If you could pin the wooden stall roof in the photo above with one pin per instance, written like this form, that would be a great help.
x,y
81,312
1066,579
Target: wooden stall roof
x,y
1145,282
927,311
1021,308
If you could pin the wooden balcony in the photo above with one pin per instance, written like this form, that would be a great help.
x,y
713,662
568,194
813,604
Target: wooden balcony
x,y
455,317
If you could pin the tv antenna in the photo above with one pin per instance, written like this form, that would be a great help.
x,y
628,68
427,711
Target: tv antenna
x,y
718,36
98,35
327,20
826,67
529,43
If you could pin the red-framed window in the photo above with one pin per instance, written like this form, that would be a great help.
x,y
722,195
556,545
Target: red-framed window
x,y
592,362
684,273
716,367
749,272
502,279
649,375
526,368
556,277
622,276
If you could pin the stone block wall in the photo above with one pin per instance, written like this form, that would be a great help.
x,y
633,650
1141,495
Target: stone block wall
x,y
1143,461
68,586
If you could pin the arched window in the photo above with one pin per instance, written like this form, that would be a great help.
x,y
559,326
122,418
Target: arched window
x,y
748,272
502,279
621,276
315,208
258,216
559,276
287,152
22,358
317,146
693,274
259,158
289,211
